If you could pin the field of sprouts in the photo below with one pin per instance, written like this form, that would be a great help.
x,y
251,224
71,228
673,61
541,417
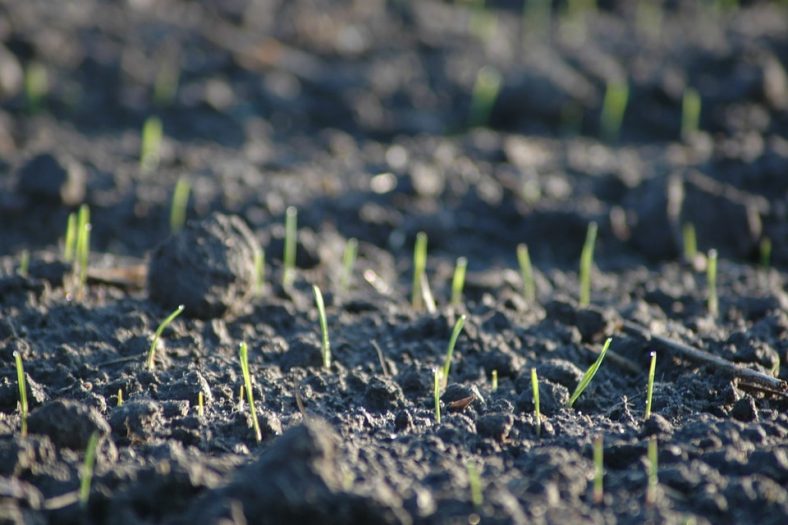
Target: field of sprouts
x,y
393,261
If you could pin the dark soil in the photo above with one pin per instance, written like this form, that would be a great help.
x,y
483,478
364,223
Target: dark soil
x,y
357,113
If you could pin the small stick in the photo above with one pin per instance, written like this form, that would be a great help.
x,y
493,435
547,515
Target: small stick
x,y
381,358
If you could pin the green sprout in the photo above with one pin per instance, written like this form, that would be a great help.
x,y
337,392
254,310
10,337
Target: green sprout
x,y
613,108
436,393
765,251
589,375
690,113
120,397
348,262
653,467
20,379
711,283
494,381
535,393
244,357
165,85
455,333
599,469
458,280
150,149
321,312
475,484
24,263
82,247
586,262
259,270
650,389
485,92
527,273
69,246
86,474
36,86
163,326
180,201
690,242
200,404
291,242
419,266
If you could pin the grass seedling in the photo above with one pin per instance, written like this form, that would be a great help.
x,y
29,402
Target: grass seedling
x,y
180,201
455,333
24,263
167,79
690,241
458,280
348,262
589,375
82,247
321,312
485,92
36,86
163,326
436,393
613,108
69,245
527,273
650,389
150,148
690,113
86,473
200,404
586,262
711,283
765,252
494,385
120,397
20,379
653,467
475,484
419,266
599,470
244,357
291,242
535,393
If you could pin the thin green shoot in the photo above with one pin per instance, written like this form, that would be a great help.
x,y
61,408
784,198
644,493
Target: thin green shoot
x,y
36,86
650,389
765,252
325,344
291,242
200,404
586,262
527,273
20,379
244,357
259,270
86,474
535,393
82,250
436,393
426,295
455,333
419,266
494,380
120,397
458,280
690,113
163,326
180,202
711,283
475,484
690,241
653,471
69,245
241,396
590,373
348,262
599,469
165,86
485,92
24,263
150,149
613,108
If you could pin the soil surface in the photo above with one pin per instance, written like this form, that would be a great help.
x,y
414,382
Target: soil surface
x,y
371,119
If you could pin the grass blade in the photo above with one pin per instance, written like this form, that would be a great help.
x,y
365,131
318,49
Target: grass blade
x,y
86,473
163,326
455,333
243,354
589,375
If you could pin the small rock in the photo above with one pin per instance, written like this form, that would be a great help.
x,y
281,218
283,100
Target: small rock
x,y
495,426
60,180
403,421
458,397
592,324
68,423
136,420
552,397
744,409
656,425
383,394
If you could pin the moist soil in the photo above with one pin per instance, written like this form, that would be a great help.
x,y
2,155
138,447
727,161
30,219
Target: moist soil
x,y
359,115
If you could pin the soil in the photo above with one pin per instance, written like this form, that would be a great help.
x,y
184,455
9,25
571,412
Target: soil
x,y
357,113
